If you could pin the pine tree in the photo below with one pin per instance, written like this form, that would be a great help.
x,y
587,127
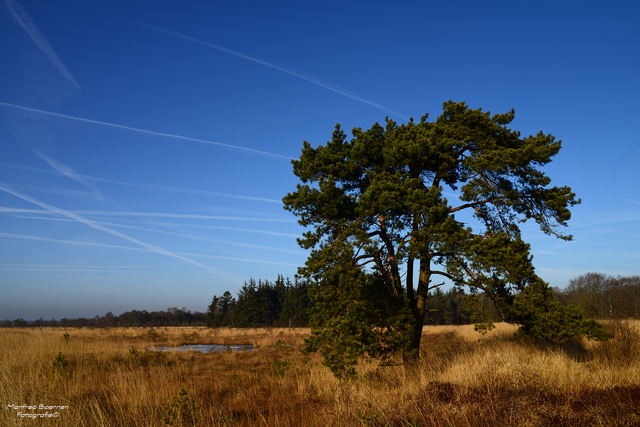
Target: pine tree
x,y
376,206
212,312
296,304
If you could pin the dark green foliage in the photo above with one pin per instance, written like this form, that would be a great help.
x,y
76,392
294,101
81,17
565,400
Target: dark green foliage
x,y
212,312
296,304
375,206
279,367
369,415
183,411
279,303
259,304
455,307
220,311
550,321
351,321
60,367
247,312
473,304
134,356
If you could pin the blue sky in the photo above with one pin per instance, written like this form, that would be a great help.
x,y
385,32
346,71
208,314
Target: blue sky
x,y
145,147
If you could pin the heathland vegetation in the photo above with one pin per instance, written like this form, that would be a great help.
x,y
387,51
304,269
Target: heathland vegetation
x,y
107,377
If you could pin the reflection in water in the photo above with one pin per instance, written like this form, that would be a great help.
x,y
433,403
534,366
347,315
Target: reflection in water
x,y
205,348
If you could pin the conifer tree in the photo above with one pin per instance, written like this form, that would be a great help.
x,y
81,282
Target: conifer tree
x,y
212,312
376,205
247,310
296,304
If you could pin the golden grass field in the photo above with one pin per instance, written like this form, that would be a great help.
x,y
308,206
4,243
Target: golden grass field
x,y
462,379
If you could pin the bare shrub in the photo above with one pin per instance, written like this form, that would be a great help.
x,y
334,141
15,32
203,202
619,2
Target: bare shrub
x,y
623,348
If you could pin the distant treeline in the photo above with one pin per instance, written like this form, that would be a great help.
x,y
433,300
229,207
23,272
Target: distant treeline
x,y
287,304
601,296
598,295
279,303
283,303
172,317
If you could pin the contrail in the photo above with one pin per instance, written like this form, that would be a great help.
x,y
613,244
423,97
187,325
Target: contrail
x,y
184,216
187,190
150,186
163,224
27,24
96,226
70,173
218,227
19,210
275,67
61,191
70,242
203,239
74,242
260,261
55,267
144,214
148,132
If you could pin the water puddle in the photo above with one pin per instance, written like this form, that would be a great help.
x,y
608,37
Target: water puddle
x,y
205,348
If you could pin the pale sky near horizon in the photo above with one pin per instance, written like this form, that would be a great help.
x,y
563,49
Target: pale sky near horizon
x,y
145,147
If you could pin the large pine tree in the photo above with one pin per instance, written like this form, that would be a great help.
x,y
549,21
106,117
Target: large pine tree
x,y
376,205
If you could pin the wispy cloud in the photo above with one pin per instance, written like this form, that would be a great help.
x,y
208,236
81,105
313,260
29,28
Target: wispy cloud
x,y
273,233
48,267
60,191
244,260
27,24
182,216
188,190
70,173
276,67
205,239
45,211
181,255
147,186
48,216
96,226
7,209
69,242
148,132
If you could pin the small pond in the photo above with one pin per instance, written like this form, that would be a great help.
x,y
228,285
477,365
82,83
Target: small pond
x,y
205,348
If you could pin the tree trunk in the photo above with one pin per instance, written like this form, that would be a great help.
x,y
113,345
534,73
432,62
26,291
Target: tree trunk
x,y
419,308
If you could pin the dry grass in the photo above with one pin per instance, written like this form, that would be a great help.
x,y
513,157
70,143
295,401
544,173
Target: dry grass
x,y
462,379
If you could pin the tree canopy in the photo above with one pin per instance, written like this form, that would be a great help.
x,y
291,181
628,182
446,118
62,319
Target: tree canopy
x,y
378,203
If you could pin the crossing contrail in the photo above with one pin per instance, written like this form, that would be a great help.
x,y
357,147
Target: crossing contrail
x,y
97,226
275,67
149,186
70,173
148,132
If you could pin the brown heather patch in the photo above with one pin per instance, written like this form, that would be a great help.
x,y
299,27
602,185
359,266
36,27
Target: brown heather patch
x,y
462,379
